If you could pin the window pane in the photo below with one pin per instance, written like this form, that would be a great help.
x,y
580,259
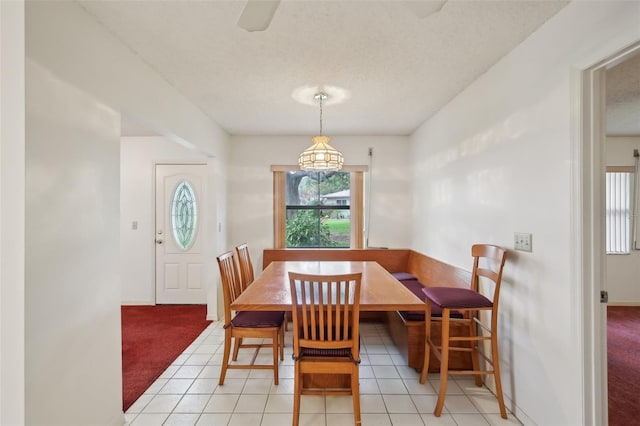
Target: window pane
x,y
318,228
184,215
618,212
317,188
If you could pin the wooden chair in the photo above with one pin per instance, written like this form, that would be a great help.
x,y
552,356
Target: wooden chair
x,y
326,311
246,267
246,278
488,264
256,324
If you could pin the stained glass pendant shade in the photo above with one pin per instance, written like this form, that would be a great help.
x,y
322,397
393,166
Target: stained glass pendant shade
x,y
320,156
184,215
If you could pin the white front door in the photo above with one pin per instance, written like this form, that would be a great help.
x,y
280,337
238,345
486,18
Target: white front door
x,y
180,212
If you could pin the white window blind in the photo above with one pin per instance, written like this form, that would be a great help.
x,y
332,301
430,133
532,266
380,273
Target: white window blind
x,y
618,212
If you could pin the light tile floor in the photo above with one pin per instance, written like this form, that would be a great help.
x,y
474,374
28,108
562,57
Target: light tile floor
x,y
187,393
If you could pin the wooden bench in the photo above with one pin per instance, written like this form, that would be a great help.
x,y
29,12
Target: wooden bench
x,y
407,335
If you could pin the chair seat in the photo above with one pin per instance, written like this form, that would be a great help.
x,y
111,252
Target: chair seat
x,y
456,298
258,319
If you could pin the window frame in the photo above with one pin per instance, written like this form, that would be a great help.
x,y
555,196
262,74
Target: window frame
x,y
630,226
356,205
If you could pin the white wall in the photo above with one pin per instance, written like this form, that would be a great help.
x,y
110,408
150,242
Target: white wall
x,y
497,160
138,156
76,64
623,271
61,35
12,226
72,283
251,186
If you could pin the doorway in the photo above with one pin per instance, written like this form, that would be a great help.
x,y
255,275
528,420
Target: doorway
x,y
592,230
622,262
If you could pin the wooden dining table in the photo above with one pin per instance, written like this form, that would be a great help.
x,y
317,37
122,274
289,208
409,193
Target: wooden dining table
x,y
380,291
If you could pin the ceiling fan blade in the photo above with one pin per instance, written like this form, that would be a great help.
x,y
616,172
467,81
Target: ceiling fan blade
x,y
424,8
257,14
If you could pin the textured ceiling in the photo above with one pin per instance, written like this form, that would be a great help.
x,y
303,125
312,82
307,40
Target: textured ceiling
x,y
395,69
623,98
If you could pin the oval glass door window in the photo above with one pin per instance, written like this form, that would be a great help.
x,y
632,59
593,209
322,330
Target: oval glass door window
x,y
184,215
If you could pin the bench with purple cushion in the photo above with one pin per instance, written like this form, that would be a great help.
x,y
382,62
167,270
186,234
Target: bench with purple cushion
x,y
412,284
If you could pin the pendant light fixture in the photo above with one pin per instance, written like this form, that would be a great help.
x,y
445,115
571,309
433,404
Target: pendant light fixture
x,y
320,157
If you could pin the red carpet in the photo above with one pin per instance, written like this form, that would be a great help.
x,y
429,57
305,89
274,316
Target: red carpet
x,y
152,338
623,352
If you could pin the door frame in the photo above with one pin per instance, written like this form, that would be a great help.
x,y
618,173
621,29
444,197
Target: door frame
x,y
589,229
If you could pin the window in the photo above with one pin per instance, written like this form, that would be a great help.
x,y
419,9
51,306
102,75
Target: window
x,y
318,209
618,212
184,215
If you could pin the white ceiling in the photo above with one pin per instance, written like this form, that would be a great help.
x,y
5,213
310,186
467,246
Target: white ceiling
x,y
395,68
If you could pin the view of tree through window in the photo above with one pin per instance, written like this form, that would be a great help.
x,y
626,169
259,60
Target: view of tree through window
x,y
317,209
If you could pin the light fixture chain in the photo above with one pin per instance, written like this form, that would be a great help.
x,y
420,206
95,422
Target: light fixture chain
x,y
320,156
321,115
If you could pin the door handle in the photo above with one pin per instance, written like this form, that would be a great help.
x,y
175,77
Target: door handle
x,y
159,241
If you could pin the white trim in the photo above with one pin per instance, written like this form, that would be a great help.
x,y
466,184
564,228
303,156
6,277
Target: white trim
x,y
12,213
587,212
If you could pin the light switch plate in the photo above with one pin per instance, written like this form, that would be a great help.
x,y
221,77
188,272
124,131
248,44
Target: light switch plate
x,y
522,241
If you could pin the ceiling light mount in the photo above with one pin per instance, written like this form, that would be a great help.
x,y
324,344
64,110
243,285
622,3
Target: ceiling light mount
x,y
321,156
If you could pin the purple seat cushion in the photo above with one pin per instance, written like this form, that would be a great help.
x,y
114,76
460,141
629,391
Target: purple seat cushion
x,y
412,315
401,276
258,319
454,297
325,352
334,352
416,288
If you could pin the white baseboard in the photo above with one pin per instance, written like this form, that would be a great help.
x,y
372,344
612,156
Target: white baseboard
x,y
623,303
137,303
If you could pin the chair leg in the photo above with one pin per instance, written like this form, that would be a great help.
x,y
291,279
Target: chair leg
x,y
427,342
236,346
225,358
297,391
473,332
276,345
444,363
355,394
495,358
281,343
